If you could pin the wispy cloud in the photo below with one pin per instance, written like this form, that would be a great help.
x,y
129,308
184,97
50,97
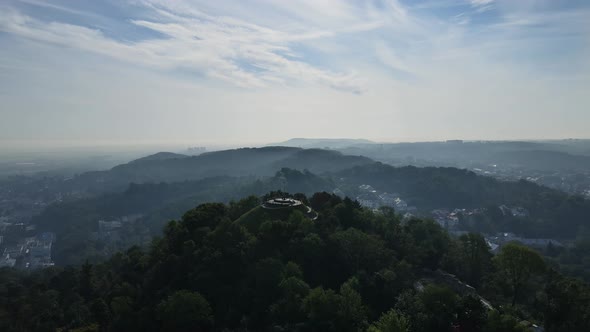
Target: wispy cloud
x,y
378,66
266,42
480,2
227,48
389,58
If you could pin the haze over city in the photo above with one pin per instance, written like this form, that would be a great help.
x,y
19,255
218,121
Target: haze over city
x,y
262,71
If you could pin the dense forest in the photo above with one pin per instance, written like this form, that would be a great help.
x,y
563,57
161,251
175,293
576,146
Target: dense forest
x,y
75,221
351,269
553,214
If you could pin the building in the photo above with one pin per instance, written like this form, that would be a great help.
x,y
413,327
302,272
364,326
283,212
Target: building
x,y
108,226
14,251
493,246
400,205
46,237
369,200
278,203
40,249
39,263
504,238
367,188
447,219
4,225
131,218
539,243
514,211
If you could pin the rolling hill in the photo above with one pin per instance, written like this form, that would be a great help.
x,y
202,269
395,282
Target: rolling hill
x,y
165,167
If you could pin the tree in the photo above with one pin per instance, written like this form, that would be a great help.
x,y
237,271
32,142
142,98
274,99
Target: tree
x,y
319,199
263,287
390,321
352,311
568,304
101,313
519,263
429,243
205,215
500,322
87,285
123,313
471,314
440,307
321,307
322,200
410,305
185,311
236,209
357,250
473,258
289,310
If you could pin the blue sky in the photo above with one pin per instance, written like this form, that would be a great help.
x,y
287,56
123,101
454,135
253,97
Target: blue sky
x,y
253,71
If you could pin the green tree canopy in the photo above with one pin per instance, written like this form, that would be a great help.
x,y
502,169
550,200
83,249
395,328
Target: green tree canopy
x,y
518,264
185,311
390,321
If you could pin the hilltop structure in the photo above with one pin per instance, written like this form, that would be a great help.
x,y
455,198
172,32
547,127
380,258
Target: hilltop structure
x,y
280,203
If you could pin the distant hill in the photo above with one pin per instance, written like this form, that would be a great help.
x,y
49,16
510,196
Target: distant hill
x,y
332,143
168,167
543,160
553,213
321,161
551,156
159,156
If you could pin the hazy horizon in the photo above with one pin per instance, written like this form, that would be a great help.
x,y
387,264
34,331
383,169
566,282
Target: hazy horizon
x,y
224,73
85,146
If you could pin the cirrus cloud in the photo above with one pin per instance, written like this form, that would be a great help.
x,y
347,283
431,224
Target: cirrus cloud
x,y
241,53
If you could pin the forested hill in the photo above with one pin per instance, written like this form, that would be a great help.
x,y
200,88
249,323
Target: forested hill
x,y
543,160
159,156
74,222
543,156
239,162
350,269
553,214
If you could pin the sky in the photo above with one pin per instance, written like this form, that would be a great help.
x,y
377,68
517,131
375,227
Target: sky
x,y
199,72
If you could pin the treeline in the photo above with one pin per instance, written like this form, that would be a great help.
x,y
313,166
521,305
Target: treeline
x,y
351,269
